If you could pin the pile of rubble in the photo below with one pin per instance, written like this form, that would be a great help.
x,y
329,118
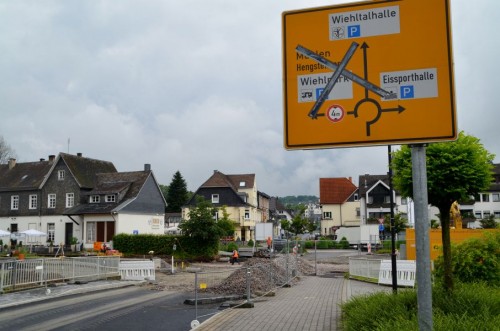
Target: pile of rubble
x,y
265,274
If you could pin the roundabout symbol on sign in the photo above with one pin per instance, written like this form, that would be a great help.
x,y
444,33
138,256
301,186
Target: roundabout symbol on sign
x,y
335,113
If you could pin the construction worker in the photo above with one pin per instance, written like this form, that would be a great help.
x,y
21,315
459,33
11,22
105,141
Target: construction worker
x,y
234,257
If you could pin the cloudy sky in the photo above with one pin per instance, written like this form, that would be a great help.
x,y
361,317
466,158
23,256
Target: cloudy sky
x,y
194,86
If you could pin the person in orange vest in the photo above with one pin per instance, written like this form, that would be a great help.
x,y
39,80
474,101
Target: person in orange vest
x,y
269,242
234,257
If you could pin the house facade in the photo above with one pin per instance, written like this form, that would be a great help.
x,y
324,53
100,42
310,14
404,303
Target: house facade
x,y
238,195
74,196
339,201
484,205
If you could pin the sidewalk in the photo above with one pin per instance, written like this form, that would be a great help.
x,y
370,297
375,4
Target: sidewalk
x,y
311,305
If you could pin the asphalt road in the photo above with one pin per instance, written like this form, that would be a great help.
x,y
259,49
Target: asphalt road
x,y
130,308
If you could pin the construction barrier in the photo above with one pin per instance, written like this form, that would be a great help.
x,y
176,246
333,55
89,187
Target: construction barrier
x,y
405,269
137,270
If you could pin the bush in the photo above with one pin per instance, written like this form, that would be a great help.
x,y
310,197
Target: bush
x,y
343,243
228,246
474,260
250,243
469,307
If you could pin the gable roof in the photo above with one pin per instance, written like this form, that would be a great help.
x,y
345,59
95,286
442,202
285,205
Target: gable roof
x,y
84,169
335,190
23,176
127,185
366,182
218,179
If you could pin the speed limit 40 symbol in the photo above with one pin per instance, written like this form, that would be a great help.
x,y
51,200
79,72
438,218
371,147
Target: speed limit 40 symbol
x,y
335,113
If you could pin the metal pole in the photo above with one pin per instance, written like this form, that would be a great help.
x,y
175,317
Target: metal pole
x,y
423,274
315,258
196,295
393,230
248,284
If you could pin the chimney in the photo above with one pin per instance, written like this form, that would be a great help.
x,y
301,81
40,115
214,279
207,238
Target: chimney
x,y
79,154
12,163
147,167
350,179
51,158
42,159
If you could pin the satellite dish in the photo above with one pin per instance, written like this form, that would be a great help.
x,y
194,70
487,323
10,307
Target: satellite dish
x,y
194,324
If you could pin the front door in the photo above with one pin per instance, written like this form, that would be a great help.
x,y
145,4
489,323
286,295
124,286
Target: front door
x,y
68,233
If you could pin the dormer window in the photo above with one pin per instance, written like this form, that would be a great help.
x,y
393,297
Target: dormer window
x,y
95,199
243,184
110,198
60,175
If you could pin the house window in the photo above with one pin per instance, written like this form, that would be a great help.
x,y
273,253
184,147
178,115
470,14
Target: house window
x,y
387,199
51,202
60,175
358,212
91,234
51,231
95,199
486,214
370,199
497,213
404,201
478,215
477,198
70,200
247,214
215,198
327,215
33,201
110,198
495,197
485,197
356,197
14,202
243,184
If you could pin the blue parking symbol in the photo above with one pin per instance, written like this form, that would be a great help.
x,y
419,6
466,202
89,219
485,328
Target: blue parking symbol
x,y
354,31
318,92
406,92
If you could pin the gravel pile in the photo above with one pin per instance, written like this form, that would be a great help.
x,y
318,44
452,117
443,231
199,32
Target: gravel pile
x,y
266,274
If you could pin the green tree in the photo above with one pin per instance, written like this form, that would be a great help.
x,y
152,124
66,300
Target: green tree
x,y
164,190
455,171
489,222
202,229
177,194
299,223
400,223
225,223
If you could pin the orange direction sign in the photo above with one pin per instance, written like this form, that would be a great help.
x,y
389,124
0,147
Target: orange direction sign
x,y
368,73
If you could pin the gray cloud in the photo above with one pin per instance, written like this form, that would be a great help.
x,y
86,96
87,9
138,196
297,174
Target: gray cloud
x,y
193,86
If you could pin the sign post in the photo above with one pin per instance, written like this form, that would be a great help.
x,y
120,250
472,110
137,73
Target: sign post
x,y
373,73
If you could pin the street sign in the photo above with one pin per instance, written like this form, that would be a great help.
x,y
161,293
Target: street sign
x,y
368,73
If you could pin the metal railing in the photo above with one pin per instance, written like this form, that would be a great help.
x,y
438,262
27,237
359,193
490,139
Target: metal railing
x,y
18,274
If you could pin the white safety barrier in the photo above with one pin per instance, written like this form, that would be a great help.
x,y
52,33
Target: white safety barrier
x,y
137,270
405,269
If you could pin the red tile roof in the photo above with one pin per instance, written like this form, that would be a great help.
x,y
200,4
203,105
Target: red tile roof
x,y
335,190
